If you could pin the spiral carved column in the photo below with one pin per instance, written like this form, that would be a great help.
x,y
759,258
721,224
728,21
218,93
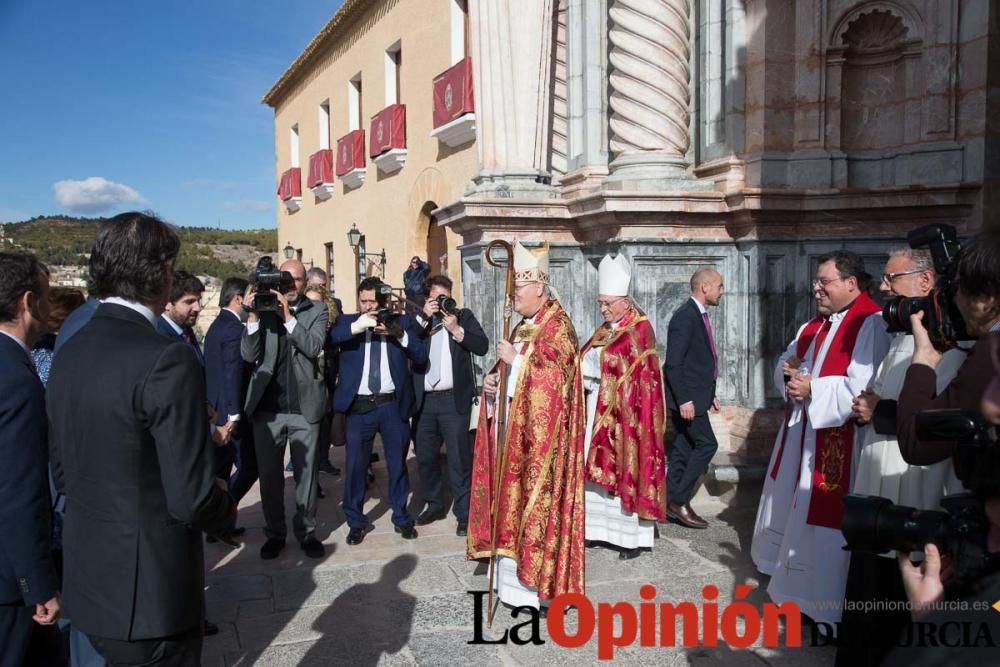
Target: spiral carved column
x,y
650,90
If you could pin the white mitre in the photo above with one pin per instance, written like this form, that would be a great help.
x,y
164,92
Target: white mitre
x,y
614,275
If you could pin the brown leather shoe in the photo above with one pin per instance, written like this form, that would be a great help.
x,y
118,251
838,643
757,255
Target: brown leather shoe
x,y
684,515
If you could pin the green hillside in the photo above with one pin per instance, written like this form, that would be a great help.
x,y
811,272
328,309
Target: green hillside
x,y
64,240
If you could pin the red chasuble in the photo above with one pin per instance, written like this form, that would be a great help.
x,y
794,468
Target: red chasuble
x,y
626,445
540,509
834,446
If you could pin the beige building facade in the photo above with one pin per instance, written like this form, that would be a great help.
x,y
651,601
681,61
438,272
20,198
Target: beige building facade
x,y
365,84
751,136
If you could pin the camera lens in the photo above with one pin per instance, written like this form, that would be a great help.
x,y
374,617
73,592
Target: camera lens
x,y
876,525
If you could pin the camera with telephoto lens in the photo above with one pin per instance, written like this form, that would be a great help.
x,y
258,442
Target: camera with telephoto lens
x,y
447,304
876,525
942,318
266,277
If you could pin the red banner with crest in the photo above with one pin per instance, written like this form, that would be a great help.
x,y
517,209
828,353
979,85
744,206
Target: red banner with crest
x,y
320,168
453,93
351,152
290,184
388,130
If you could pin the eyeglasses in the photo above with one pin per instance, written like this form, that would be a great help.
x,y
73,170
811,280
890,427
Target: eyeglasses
x,y
823,282
608,304
888,278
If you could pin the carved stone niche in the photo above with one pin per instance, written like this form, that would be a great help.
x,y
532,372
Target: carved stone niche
x,y
875,83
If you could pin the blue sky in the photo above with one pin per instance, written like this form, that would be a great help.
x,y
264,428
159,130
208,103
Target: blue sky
x,y
115,105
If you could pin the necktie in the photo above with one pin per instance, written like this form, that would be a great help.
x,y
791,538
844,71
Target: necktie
x,y
375,364
711,344
434,373
188,338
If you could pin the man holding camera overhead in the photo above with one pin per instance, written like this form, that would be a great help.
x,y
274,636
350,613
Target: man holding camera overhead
x,y
445,388
375,389
286,399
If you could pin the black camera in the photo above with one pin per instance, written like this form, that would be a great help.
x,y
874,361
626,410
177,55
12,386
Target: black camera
x,y
266,277
447,304
876,525
976,457
942,318
387,315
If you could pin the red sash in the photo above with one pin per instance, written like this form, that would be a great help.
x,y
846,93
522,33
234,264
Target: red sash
x,y
834,446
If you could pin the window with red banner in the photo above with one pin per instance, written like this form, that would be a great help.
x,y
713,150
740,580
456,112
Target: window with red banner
x,y
453,93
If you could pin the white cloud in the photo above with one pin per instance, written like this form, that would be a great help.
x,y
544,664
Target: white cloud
x,y
247,206
94,194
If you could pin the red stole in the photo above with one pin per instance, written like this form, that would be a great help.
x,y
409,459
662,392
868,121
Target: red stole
x,y
834,446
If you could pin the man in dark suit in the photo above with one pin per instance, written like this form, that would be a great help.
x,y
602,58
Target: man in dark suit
x,y
227,377
130,451
28,582
445,388
691,370
375,389
182,311
75,321
286,400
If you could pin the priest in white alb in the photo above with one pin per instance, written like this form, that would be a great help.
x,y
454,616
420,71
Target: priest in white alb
x,y
797,538
625,491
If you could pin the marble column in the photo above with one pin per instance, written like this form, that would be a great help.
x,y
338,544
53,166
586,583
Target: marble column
x,y
512,45
650,93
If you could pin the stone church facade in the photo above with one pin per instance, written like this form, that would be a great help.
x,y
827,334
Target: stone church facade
x,y
749,135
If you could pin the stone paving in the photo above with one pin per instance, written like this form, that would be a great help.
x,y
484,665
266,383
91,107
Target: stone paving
x,y
392,601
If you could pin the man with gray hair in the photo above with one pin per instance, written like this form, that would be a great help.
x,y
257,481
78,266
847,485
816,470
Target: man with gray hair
x,y
867,637
316,276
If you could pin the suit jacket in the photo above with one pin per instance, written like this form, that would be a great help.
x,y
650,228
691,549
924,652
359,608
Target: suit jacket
x,y
462,371
164,328
130,450
305,342
27,575
226,374
689,365
352,363
75,321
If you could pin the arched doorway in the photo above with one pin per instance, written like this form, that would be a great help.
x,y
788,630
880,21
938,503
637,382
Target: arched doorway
x,y
437,240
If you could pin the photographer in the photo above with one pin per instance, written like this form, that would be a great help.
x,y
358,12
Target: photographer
x,y
927,585
375,389
977,297
286,398
867,636
445,388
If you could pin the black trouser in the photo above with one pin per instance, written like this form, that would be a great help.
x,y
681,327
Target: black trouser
x,y
693,448
181,650
439,421
333,431
867,637
238,453
15,633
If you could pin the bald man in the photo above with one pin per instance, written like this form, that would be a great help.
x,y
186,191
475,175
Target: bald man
x,y
691,370
286,401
